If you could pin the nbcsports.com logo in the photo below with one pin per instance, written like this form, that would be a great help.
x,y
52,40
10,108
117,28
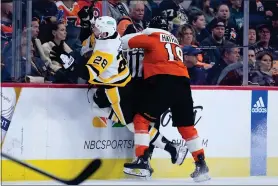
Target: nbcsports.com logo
x,y
259,106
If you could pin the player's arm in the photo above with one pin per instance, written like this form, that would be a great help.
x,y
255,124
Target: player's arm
x,y
98,63
137,40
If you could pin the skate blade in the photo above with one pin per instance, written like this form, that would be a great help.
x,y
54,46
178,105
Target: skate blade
x,y
202,178
132,177
181,154
137,172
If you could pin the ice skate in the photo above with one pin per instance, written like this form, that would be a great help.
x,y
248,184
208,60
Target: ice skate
x,y
179,156
201,172
139,167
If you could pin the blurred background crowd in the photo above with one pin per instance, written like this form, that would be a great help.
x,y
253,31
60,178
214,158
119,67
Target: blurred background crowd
x,y
214,26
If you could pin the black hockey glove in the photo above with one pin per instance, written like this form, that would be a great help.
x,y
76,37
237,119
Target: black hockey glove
x,y
62,57
85,15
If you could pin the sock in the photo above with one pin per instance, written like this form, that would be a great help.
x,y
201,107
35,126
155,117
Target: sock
x,y
161,142
193,142
141,137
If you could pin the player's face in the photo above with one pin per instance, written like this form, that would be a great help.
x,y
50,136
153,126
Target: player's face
x,y
200,22
96,32
223,12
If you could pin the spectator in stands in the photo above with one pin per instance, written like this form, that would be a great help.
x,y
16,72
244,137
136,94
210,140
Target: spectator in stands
x,y
5,74
36,74
151,9
117,9
264,35
252,56
230,54
70,9
274,34
135,22
6,22
231,31
56,39
7,50
263,76
262,10
237,12
202,6
186,38
44,10
171,9
252,35
232,75
196,73
214,42
197,20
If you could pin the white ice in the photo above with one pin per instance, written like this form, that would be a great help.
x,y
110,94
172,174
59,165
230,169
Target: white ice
x,y
213,181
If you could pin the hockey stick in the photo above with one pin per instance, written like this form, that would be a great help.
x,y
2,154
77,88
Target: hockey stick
x,y
85,174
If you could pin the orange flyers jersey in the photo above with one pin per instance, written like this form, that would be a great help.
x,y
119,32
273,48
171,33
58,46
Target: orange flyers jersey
x,y
70,14
162,53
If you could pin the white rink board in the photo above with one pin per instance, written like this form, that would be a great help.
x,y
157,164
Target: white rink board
x,y
220,126
54,124
272,125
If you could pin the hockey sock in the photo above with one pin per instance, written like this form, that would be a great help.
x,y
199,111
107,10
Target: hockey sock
x,y
141,137
161,142
193,142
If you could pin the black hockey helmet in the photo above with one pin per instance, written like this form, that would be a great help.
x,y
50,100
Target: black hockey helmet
x,y
159,22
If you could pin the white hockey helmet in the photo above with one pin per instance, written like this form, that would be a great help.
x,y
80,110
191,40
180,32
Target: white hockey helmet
x,y
106,24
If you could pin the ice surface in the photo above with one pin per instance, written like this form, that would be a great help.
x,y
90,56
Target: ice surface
x,y
213,181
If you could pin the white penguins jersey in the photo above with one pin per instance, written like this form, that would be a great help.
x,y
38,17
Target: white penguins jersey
x,y
107,65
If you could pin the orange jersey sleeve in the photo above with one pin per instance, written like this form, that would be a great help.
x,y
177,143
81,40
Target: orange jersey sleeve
x,y
162,54
141,41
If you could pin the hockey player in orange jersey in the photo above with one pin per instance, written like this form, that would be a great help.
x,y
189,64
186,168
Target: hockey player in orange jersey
x,y
167,85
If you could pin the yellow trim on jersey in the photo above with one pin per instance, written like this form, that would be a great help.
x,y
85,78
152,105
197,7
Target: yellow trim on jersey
x,y
114,98
117,77
120,83
84,43
99,62
152,132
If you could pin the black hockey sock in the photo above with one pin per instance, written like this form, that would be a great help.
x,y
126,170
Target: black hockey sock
x,y
169,147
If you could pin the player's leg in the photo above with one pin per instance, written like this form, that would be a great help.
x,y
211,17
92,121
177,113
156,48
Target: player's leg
x,y
155,102
100,105
183,119
156,138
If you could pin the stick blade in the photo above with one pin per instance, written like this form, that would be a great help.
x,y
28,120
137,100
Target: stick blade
x,y
86,173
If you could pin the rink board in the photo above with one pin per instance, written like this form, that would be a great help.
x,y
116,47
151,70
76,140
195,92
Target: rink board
x,y
55,129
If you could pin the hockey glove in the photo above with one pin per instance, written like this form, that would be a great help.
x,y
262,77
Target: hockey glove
x,y
85,15
62,57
